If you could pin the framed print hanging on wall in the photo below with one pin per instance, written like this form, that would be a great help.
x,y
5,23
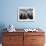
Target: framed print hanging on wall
x,y
26,14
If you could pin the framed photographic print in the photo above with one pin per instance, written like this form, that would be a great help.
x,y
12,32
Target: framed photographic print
x,y
26,14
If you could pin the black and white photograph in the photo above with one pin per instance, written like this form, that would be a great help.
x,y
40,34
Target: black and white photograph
x,y
26,14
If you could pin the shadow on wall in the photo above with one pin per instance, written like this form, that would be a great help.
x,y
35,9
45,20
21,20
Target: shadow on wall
x,y
2,26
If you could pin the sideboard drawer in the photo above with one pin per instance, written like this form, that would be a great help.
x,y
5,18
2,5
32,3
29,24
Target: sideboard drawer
x,y
13,33
37,39
34,33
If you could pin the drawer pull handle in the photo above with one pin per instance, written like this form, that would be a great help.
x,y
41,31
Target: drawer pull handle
x,y
33,39
11,38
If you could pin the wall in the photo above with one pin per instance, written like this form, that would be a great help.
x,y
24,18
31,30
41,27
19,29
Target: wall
x,y
8,13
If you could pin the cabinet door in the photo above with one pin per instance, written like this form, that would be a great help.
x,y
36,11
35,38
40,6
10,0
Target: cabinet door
x,y
13,40
27,40
37,40
18,41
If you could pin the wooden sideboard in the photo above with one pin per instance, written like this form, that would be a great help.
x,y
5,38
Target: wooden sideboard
x,y
23,39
